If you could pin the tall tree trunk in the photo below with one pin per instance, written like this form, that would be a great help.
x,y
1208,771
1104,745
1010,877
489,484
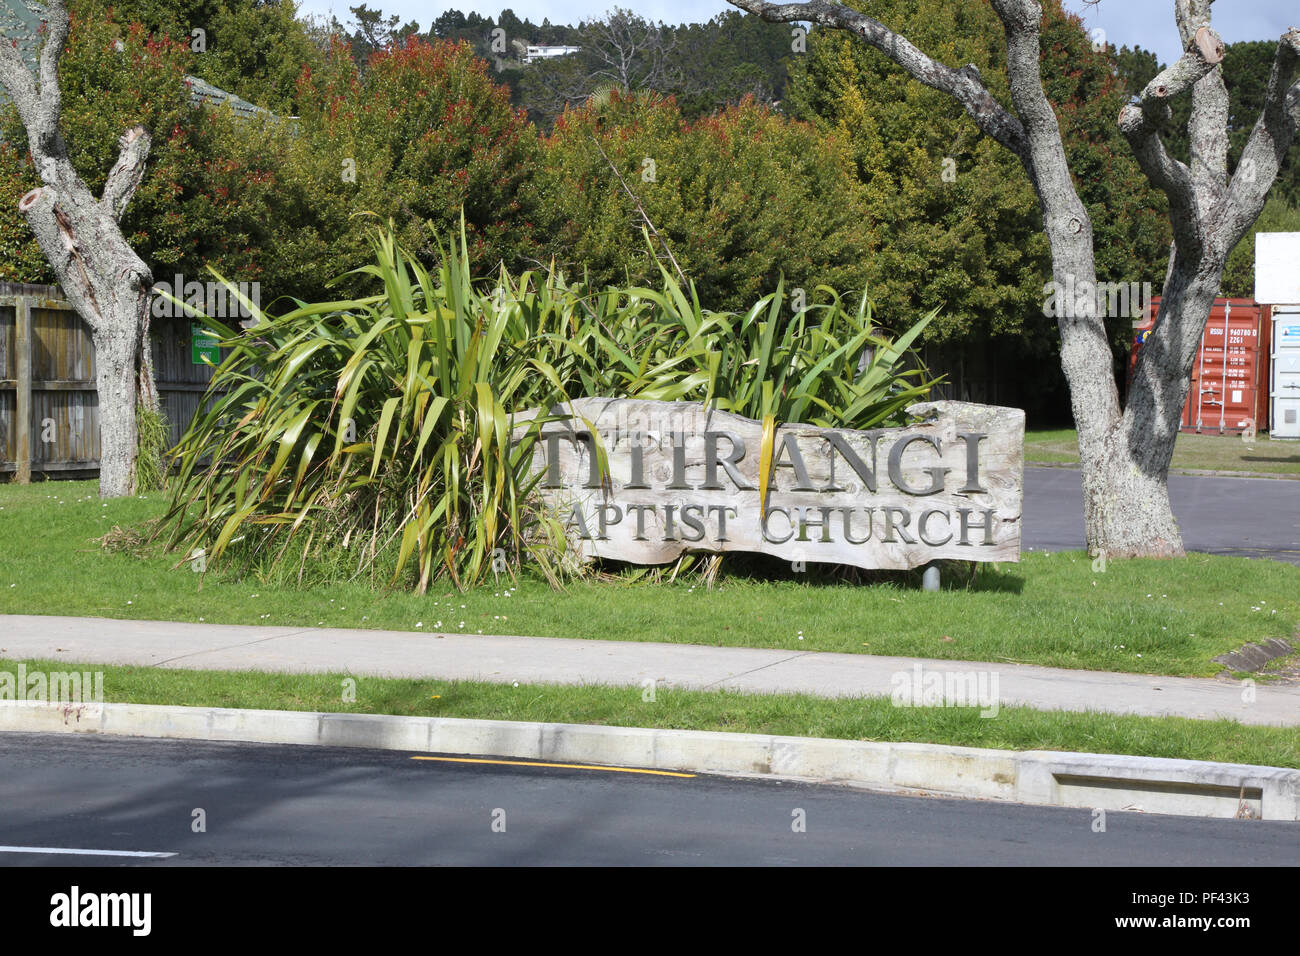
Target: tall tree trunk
x,y
124,380
1126,490
108,284
116,379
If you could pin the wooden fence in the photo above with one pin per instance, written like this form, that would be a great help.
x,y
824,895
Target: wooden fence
x,y
49,406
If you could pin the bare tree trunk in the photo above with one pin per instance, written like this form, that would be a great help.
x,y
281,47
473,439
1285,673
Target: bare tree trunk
x,y
99,272
1129,485
116,379
1124,456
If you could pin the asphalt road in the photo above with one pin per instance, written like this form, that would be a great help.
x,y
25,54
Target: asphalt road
x,y
308,805
1246,517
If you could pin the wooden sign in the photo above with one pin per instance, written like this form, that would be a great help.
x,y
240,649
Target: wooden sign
x,y
683,478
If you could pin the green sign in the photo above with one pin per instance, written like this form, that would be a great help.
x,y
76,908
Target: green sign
x,y
204,349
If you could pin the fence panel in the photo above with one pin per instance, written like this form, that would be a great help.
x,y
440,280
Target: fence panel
x,y
8,386
64,401
47,382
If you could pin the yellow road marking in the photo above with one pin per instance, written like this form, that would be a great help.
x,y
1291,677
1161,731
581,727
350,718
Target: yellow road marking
x,y
562,766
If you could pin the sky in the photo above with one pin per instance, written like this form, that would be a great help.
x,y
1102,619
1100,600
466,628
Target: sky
x,y
1146,23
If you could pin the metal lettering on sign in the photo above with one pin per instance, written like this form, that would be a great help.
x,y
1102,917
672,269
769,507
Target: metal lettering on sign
x,y
683,478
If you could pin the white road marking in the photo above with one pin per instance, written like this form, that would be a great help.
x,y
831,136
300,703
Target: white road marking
x,y
71,852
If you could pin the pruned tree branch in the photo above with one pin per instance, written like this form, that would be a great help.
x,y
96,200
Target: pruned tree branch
x,y
39,106
56,235
1166,173
1207,126
1191,67
125,176
1269,141
963,84
56,36
1141,122
1194,192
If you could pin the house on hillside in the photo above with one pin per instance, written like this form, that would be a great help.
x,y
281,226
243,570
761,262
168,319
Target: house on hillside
x,y
535,53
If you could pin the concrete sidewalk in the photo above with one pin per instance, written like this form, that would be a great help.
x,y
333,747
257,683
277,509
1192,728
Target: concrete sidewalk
x,y
561,661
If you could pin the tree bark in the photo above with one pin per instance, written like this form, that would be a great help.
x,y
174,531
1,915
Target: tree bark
x,y
115,378
99,272
1124,456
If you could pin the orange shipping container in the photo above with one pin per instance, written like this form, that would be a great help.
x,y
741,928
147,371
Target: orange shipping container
x,y
1229,387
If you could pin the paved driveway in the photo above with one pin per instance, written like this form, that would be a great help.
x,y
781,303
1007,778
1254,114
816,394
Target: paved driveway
x,y
1249,517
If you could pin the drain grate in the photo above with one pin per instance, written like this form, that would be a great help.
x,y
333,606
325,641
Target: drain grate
x,y
1252,657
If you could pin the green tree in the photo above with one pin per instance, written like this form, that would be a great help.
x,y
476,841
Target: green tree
x,y
258,51
739,199
421,135
253,48
956,222
727,58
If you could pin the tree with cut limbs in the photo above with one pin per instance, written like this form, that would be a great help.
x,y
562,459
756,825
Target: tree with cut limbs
x,y
103,278
619,50
1124,452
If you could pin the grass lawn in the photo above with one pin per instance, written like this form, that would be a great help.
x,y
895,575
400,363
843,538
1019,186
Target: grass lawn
x,y
1158,617
868,718
1191,452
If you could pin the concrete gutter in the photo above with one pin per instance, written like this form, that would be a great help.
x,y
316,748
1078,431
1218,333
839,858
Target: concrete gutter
x,y
1095,781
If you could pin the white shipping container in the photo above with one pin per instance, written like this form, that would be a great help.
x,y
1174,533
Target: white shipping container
x,y
1286,372
1277,268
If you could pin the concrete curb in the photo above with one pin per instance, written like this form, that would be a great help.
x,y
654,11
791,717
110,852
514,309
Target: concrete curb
x,y
1109,782
1190,472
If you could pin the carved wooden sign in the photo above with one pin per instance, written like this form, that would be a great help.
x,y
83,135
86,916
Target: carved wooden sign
x,y
683,478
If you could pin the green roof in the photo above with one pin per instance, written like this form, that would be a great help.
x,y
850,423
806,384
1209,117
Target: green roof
x,y
203,93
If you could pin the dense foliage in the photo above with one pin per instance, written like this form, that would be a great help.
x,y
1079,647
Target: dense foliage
x,y
739,199
953,218
421,134
253,48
